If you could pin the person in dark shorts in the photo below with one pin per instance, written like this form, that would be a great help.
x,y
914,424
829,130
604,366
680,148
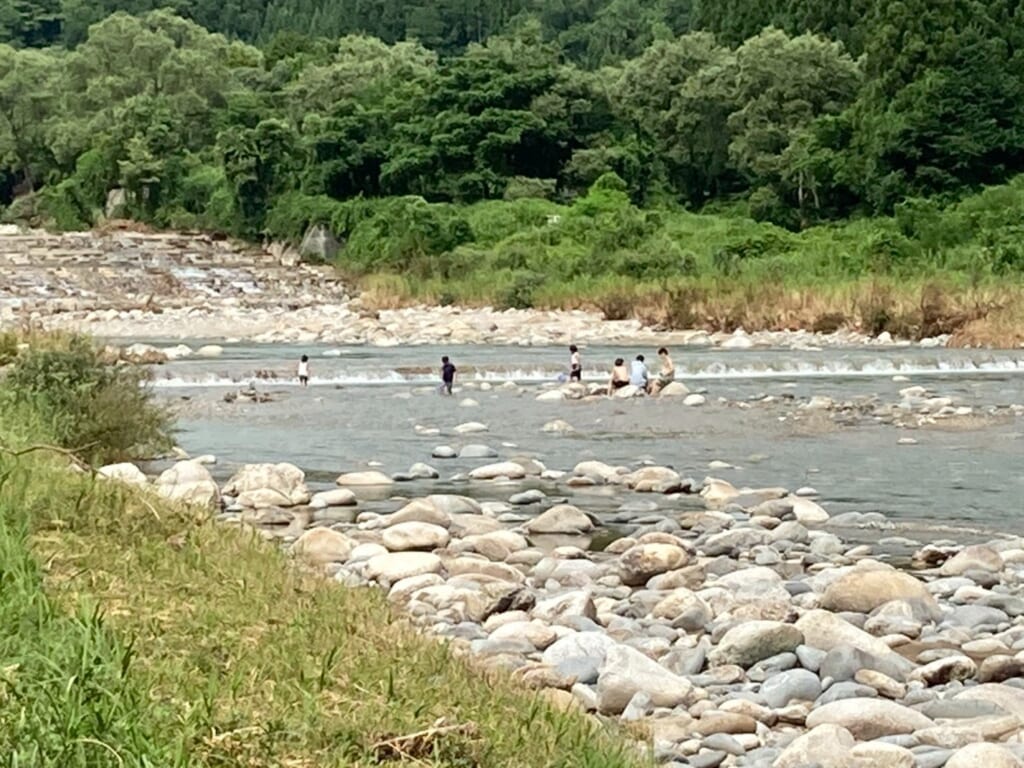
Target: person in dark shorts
x,y
447,375
575,367
620,376
304,371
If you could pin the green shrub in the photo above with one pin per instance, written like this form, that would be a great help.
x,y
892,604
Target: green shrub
x,y
99,411
520,294
8,347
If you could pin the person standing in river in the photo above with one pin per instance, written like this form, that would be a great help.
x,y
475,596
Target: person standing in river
x,y
447,375
666,375
575,366
304,371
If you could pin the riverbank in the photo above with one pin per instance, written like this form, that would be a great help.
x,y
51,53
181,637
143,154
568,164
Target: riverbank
x,y
731,625
125,284
137,631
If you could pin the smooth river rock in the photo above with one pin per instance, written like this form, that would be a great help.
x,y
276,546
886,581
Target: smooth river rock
x,y
869,719
750,642
626,672
862,590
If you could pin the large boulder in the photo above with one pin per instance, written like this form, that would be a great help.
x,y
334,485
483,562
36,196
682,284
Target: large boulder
x,y
395,566
1006,697
509,469
976,557
750,642
414,535
984,756
268,485
125,472
561,518
371,478
642,561
189,482
869,719
320,546
826,746
863,589
318,245
626,672
826,631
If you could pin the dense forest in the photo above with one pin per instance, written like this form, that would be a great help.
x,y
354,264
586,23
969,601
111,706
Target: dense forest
x,y
595,123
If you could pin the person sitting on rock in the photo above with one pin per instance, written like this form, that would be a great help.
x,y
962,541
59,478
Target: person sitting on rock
x,y
666,375
620,376
638,375
447,375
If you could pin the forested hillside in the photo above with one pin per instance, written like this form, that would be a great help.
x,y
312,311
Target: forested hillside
x,y
385,119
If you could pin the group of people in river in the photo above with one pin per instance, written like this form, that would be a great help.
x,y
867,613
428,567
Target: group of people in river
x,y
636,374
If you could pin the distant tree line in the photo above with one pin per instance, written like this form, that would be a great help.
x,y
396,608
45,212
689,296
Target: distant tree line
x,y
795,111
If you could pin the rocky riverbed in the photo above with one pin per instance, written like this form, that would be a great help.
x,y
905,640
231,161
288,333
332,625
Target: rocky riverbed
x,y
129,284
732,626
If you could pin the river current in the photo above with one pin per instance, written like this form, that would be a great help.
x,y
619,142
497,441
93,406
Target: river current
x,y
365,403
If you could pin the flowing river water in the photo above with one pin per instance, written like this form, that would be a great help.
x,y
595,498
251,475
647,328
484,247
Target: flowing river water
x,y
364,406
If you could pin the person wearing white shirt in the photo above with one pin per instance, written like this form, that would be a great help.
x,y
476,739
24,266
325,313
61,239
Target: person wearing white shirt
x,y
304,371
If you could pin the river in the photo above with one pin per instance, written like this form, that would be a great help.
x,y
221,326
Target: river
x,y
365,404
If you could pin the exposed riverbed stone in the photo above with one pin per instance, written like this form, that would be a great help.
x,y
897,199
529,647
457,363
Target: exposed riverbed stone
x,y
414,535
189,482
750,642
370,477
864,589
401,565
626,672
826,745
265,485
320,546
639,563
561,518
869,719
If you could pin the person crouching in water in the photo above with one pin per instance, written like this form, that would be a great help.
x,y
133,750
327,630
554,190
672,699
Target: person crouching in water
x,y
620,376
304,371
666,375
447,375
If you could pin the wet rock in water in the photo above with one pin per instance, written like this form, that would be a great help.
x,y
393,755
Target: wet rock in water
x,y
972,558
532,496
421,471
674,389
560,519
501,469
369,478
189,482
320,546
826,746
869,719
626,672
862,589
642,561
750,642
477,451
984,756
807,511
598,470
337,497
125,472
558,426
414,535
395,566
266,485
694,400
650,479
470,427
443,452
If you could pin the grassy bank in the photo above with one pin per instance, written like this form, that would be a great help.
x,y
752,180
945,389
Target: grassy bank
x,y
928,269
136,633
